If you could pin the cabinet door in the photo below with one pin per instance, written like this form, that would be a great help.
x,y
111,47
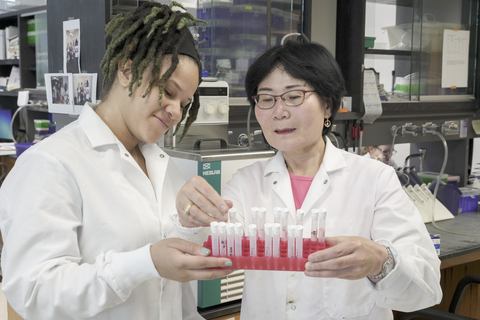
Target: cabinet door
x,y
240,30
423,50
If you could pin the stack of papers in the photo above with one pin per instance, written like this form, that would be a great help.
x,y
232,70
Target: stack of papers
x,y
7,148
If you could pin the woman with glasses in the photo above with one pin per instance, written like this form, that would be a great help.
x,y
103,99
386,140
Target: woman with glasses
x,y
379,256
382,153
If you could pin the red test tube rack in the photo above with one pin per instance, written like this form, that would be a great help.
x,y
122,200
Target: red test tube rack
x,y
260,262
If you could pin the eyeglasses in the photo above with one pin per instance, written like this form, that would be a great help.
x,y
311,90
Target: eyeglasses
x,y
387,151
291,98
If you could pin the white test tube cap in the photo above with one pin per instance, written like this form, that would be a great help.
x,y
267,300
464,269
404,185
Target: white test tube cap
x,y
276,228
222,226
291,231
230,228
298,231
232,211
277,212
238,229
214,227
300,213
252,229
314,214
268,229
322,213
285,212
261,212
254,211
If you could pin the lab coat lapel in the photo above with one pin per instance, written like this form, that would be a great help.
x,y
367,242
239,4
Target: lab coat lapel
x,y
156,161
280,181
332,160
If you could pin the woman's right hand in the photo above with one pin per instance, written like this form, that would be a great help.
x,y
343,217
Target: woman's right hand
x,y
183,261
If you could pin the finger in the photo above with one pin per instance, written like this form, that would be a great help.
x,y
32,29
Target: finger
x,y
336,248
208,199
341,274
199,216
197,262
210,274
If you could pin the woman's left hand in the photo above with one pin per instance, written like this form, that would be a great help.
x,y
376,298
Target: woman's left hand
x,y
198,204
348,258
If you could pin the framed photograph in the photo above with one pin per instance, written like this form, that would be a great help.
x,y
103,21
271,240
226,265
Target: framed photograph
x,y
84,90
59,92
71,46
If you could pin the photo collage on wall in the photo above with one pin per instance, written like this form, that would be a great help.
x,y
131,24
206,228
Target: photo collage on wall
x,y
69,91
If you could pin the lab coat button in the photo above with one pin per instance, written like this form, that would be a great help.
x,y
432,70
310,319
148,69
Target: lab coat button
x,y
165,235
163,288
126,155
325,182
294,307
274,182
162,156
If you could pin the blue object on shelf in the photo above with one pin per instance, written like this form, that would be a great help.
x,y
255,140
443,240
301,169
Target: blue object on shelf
x,y
22,146
448,195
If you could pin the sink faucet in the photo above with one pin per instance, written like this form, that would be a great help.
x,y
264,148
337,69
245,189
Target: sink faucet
x,y
421,155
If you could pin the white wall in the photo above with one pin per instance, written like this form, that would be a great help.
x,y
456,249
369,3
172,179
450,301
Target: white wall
x,y
324,23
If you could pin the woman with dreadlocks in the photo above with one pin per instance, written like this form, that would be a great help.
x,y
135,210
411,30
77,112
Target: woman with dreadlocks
x,y
85,214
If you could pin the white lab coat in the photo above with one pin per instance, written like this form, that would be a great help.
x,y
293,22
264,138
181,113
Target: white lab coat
x,y
363,198
78,216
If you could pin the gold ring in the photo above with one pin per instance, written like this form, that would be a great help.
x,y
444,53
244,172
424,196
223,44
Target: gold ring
x,y
187,209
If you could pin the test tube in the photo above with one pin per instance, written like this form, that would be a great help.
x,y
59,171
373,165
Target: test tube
x,y
322,214
299,241
276,240
232,215
268,239
223,238
314,230
277,213
254,212
261,223
300,214
238,239
214,229
252,231
230,239
291,241
285,213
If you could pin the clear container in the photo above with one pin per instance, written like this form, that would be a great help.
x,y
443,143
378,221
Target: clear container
x,y
428,177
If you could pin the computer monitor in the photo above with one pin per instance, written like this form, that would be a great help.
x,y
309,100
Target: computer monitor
x,y
5,119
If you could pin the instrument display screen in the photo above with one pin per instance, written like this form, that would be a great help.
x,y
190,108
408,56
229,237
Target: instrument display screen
x,y
212,91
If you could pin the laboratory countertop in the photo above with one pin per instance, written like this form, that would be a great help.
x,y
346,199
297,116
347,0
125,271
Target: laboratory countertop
x,y
455,245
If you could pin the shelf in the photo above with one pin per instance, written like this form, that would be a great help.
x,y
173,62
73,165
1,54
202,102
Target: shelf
x,y
9,62
403,3
388,52
12,93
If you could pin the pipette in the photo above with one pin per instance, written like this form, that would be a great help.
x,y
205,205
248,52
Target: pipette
x,y
300,214
322,215
232,215
291,241
277,213
238,239
314,229
214,229
299,241
276,240
230,239
261,222
285,214
268,239
223,238
252,231
254,212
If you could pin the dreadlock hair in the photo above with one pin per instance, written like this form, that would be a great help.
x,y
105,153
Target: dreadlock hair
x,y
146,35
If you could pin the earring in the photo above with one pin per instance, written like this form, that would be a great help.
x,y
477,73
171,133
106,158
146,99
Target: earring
x,y
327,123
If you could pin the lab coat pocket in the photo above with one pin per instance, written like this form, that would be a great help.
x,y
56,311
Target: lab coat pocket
x,y
345,299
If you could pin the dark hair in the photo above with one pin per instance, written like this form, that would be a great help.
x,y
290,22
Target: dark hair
x,y
144,35
311,62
